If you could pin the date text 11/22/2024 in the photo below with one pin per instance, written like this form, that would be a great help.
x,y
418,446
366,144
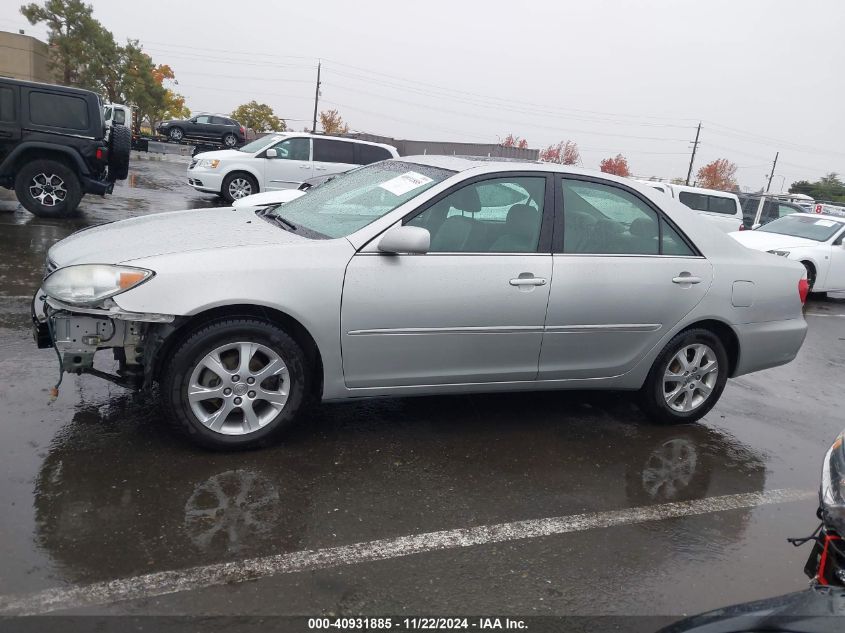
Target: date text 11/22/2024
x,y
417,624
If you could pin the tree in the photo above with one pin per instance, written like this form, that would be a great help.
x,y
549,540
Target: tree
x,y
828,187
678,181
75,38
719,174
259,117
616,165
332,123
564,153
514,141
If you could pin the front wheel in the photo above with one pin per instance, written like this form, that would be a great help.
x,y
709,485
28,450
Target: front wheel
x,y
176,134
235,383
230,140
687,378
238,185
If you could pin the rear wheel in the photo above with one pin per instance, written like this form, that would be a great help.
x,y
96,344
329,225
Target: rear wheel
x,y
48,188
238,185
235,383
687,378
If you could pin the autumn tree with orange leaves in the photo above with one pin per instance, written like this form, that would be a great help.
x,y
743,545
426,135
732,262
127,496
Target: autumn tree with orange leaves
x,y
514,141
564,153
617,165
720,174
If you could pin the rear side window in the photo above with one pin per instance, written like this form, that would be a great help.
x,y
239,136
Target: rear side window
x,y
605,220
327,151
56,110
371,154
703,202
7,104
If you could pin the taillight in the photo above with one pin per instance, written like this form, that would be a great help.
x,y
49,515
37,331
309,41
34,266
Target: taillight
x,y
803,289
741,227
243,130
99,153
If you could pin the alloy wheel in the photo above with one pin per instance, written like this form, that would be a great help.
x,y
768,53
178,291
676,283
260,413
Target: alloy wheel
x,y
238,388
48,189
690,377
240,188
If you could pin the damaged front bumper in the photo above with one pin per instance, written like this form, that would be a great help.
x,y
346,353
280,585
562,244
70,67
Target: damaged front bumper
x,y
77,334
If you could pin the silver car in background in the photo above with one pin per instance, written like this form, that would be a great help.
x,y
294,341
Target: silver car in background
x,y
421,275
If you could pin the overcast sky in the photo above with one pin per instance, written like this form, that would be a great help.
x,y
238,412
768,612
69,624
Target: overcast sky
x,y
616,76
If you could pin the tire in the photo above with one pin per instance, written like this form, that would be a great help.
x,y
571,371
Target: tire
x,y
48,188
120,146
240,418
693,397
238,185
811,274
176,134
230,140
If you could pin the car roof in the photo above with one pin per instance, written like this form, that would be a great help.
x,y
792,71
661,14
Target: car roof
x,y
52,87
826,216
348,139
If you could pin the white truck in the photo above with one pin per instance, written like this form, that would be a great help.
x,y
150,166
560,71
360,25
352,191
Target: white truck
x,y
117,114
720,207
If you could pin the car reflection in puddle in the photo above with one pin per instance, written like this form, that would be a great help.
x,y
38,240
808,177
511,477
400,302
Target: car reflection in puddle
x,y
119,495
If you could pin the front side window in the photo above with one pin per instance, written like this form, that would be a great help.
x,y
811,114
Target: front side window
x,y
293,149
817,229
368,154
56,110
341,206
501,215
328,151
605,220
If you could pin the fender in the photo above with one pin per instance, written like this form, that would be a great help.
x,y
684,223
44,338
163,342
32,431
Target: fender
x,y
6,167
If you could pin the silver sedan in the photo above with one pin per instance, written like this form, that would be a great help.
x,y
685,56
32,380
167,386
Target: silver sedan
x,y
421,275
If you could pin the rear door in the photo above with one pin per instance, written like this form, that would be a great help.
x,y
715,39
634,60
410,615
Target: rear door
x,y
10,129
333,156
623,275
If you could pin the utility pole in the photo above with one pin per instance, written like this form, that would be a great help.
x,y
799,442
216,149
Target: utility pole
x,y
694,147
316,99
772,175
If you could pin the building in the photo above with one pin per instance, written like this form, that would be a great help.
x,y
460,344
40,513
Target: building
x,y
415,148
24,57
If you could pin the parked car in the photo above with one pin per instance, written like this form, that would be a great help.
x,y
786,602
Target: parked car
x,y
280,161
815,240
421,275
53,146
720,207
759,209
205,127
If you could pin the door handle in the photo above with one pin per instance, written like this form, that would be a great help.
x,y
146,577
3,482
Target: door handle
x,y
528,281
686,279
320,168
305,166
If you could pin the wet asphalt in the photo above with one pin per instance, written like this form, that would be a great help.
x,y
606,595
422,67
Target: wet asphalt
x,y
94,487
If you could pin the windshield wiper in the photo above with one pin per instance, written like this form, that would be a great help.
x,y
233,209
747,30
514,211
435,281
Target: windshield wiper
x,y
267,214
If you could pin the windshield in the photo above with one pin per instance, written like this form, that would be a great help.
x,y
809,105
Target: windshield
x,y
341,206
260,143
818,229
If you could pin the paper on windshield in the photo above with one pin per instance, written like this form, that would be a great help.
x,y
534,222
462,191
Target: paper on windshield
x,y
826,223
404,183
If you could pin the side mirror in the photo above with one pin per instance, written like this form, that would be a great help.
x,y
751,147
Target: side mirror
x,y
405,239
271,153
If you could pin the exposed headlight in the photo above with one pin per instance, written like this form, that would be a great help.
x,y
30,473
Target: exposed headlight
x,y
777,252
89,284
832,493
211,163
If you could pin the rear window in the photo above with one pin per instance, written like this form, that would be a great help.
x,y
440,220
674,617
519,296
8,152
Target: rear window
x,y
7,104
327,151
371,154
704,202
56,110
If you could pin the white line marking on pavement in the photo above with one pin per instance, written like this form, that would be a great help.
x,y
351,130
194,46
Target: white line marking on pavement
x,y
824,314
169,582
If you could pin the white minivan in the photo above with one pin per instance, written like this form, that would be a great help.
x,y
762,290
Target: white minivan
x,y
720,207
280,161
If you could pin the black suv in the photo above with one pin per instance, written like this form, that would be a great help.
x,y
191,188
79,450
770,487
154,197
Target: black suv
x,y
53,146
205,127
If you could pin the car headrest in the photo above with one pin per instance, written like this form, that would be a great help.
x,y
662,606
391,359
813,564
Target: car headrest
x,y
466,199
643,227
522,219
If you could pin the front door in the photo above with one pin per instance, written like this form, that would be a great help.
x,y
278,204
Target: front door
x,y
623,276
472,309
290,166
